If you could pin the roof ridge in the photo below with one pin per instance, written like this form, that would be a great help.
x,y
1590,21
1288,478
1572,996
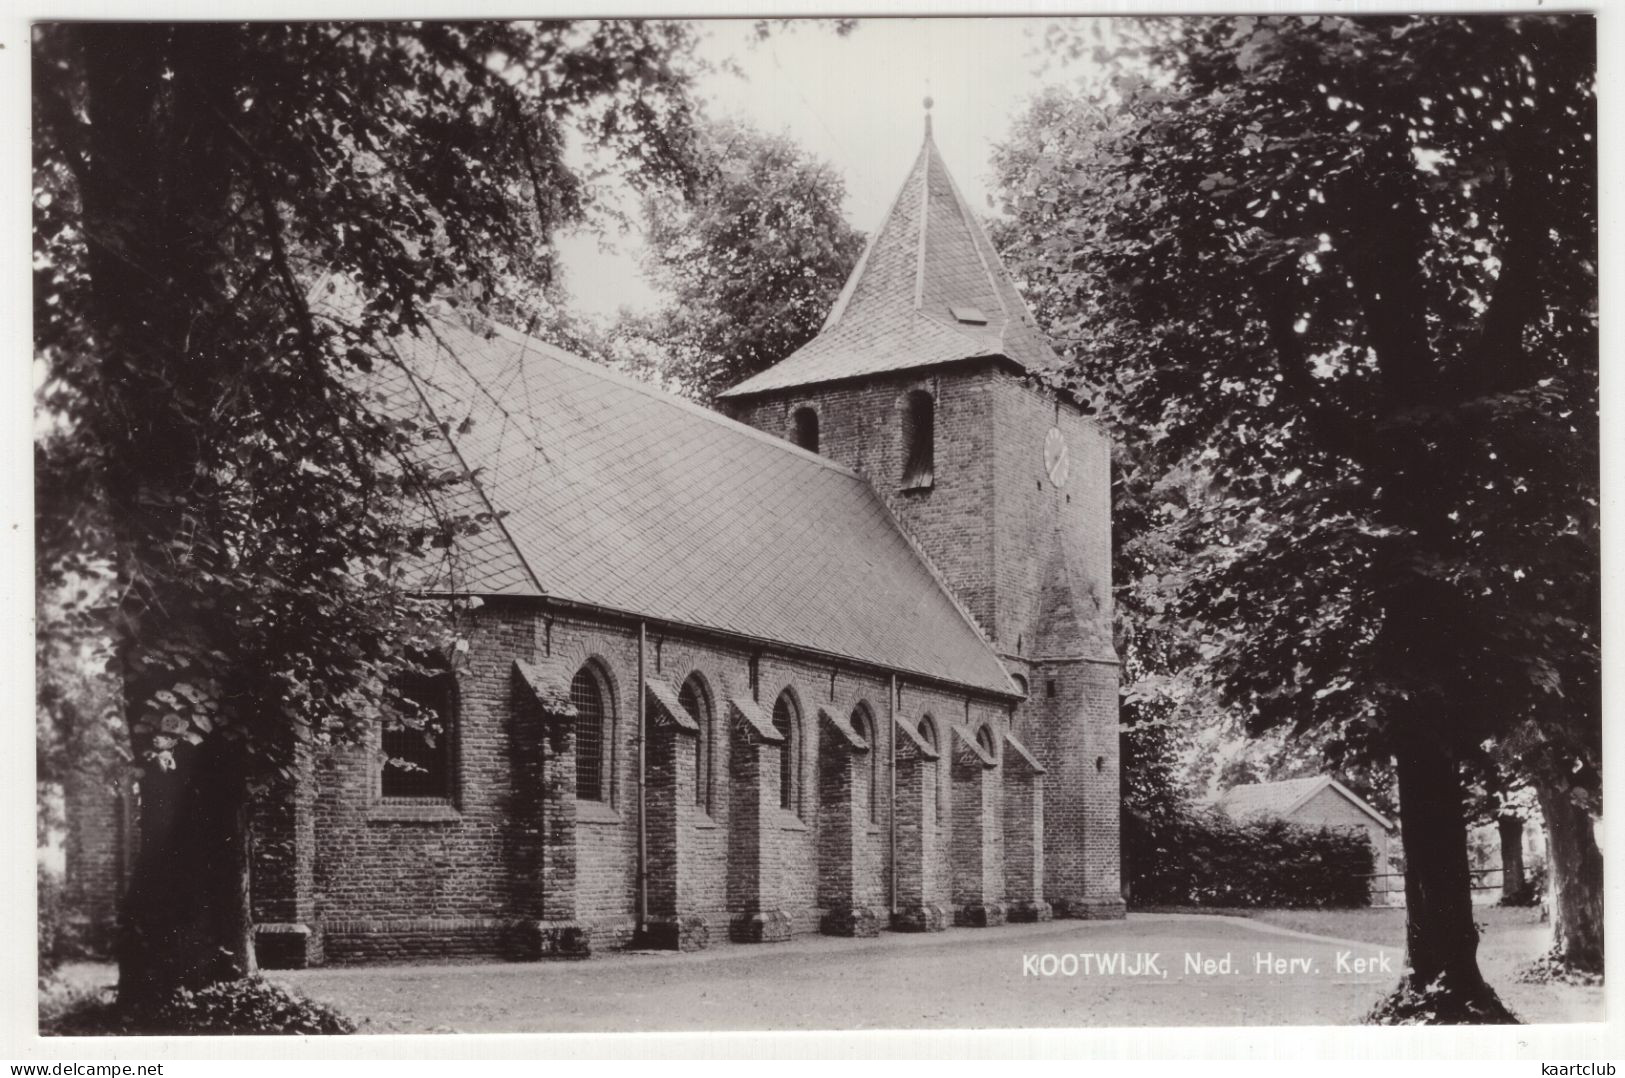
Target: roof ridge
x,y
1312,785
1280,782
627,381
926,149
1359,802
851,285
976,231
473,474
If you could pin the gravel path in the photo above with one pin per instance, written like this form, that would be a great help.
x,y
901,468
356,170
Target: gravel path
x,y
1209,971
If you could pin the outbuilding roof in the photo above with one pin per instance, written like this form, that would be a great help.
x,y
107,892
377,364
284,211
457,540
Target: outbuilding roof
x,y
616,495
1285,797
930,289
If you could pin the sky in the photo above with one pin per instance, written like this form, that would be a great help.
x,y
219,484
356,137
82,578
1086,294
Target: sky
x,y
857,103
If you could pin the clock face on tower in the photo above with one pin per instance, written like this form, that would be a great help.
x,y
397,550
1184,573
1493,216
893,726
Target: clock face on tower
x,y
1056,461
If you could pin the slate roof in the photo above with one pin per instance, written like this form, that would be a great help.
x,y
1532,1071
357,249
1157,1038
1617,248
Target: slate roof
x,y
1283,798
896,312
617,495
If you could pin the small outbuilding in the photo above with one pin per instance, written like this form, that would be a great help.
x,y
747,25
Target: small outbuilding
x,y
1322,801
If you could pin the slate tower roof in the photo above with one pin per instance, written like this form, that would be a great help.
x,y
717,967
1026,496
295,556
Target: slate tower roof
x,y
929,289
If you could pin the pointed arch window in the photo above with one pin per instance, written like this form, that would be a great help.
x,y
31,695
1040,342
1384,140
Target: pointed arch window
x,y
592,735
928,734
919,440
984,738
864,725
695,700
787,721
805,429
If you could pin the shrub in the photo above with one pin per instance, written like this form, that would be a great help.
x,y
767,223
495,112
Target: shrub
x,y
251,1005
1552,968
1439,1004
1201,857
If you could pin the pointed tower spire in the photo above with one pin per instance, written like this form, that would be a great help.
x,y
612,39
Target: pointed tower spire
x,y
929,289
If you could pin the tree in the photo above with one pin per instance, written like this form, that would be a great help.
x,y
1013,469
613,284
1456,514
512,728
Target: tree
x,y
1561,759
752,260
1499,797
1349,267
192,182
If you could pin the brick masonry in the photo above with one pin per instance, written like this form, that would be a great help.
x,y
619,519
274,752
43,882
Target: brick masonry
x,y
99,851
1029,559
510,863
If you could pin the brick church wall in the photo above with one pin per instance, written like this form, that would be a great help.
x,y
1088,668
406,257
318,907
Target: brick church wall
x,y
400,879
98,854
473,875
1031,561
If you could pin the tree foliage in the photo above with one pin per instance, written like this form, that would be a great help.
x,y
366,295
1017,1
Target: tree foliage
x,y
752,261
210,437
1348,268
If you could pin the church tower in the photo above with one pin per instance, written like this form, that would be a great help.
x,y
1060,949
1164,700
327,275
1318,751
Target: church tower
x,y
924,379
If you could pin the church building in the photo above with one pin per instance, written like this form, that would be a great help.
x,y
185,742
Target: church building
x,y
838,661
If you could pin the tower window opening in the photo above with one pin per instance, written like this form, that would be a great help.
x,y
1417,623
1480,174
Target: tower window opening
x,y
805,429
919,440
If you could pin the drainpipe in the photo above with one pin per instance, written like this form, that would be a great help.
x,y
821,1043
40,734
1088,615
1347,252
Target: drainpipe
x,y
891,814
643,784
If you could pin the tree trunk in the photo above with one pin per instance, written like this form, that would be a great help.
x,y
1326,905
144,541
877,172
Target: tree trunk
x,y
1441,939
156,185
1511,828
1574,868
186,918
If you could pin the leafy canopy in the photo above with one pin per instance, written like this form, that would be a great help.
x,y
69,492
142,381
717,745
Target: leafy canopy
x,y
207,432
752,262
1347,269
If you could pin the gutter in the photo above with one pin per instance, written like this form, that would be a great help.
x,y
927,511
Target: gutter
x,y
891,814
643,786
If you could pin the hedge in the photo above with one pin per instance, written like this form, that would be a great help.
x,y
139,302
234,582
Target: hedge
x,y
1201,857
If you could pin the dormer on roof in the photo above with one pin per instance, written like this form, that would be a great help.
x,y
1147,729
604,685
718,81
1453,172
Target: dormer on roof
x,y
928,290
